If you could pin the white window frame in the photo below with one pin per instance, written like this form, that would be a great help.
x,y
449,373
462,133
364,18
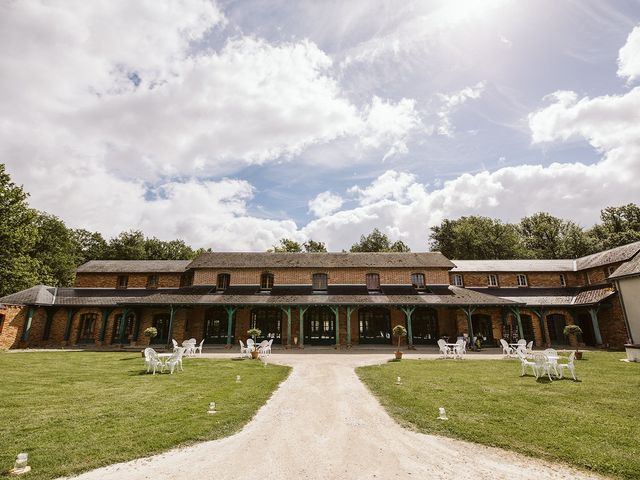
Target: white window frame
x,y
417,285
563,280
372,280
458,280
319,282
522,280
490,277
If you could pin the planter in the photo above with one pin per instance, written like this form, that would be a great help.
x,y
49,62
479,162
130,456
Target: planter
x,y
398,355
633,351
578,355
255,354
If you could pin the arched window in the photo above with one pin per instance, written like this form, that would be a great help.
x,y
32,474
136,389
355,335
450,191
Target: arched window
x,y
224,280
373,281
87,327
319,281
266,281
417,280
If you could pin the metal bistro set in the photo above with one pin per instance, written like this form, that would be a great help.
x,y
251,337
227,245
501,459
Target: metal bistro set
x,y
544,363
173,361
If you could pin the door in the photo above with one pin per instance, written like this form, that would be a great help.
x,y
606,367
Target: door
x,y
161,323
319,326
424,326
128,328
483,328
269,321
374,325
216,324
585,323
555,326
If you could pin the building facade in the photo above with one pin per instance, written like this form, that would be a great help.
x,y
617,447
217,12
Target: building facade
x,y
340,299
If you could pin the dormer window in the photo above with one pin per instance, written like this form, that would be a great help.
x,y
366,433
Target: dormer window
x,y
266,281
610,270
492,280
522,280
417,280
373,281
152,281
457,280
224,279
319,281
123,281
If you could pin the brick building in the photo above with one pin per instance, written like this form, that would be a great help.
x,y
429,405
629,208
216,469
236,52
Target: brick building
x,y
339,299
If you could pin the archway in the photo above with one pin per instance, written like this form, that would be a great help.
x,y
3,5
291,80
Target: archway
x,y
555,326
269,321
424,326
216,323
319,326
374,325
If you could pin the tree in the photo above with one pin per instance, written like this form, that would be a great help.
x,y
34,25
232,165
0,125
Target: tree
x,y
167,250
377,241
18,235
311,246
127,246
477,238
286,246
546,236
88,245
55,250
620,225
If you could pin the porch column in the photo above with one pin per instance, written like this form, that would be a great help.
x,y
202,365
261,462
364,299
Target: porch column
x,y
516,313
67,329
136,325
543,330
105,318
123,323
408,311
230,313
596,327
287,310
349,311
27,324
301,311
172,316
468,311
336,311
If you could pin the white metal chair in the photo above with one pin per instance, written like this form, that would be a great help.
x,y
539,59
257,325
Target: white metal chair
x,y
522,342
552,357
569,366
524,363
151,360
542,365
265,347
243,350
251,345
444,349
198,349
175,360
189,347
506,349
175,343
530,348
460,349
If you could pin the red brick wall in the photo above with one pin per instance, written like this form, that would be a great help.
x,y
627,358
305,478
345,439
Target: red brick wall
x,y
14,318
509,279
136,280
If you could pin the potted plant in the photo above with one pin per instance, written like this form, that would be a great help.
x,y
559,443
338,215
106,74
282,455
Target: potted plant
x,y
574,331
399,331
150,333
253,333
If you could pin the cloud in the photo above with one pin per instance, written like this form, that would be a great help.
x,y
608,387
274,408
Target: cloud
x,y
451,102
629,57
325,203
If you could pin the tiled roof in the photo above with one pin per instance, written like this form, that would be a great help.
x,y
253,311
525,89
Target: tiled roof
x,y
614,255
320,260
627,269
513,266
38,295
134,266
551,296
593,295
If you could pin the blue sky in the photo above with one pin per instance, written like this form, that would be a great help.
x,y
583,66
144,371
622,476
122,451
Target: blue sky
x,y
236,123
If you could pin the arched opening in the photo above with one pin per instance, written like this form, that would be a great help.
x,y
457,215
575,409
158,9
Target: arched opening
x,y
86,332
555,326
319,326
586,324
161,323
269,321
128,328
424,326
374,325
483,328
510,329
216,323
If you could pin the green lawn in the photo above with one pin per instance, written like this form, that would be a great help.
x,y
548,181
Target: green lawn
x,y
74,411
592,424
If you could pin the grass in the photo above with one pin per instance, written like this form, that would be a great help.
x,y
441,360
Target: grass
x,y
75,411
592,424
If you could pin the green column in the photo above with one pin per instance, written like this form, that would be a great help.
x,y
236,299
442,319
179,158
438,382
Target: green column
x,y
468,311
287,310
67,330
408,312
123,323
230,313
596,327
516,313
336,311
27,324
349,325
172,316
301,311
105,319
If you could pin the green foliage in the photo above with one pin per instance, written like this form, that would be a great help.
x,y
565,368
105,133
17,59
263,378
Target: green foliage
x,y
88,245
311,246
151,332
477,238
167,250
286,245
546,236
399,331
254,332
127,246
620,225
55,250
377,241
572,330
76,411
591,424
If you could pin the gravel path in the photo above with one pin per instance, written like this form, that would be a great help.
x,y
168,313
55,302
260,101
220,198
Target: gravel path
x,y
322,423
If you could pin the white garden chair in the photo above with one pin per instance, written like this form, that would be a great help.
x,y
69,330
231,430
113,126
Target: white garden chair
x,y
530,348
506,349
542,365
460,349
189,347
198,349
152,360
251,345
444,350
244,350
524,363
265,347
569,366
175,360
552,356
175,344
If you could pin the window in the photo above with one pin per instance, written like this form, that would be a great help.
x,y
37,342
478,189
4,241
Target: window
x,y
224,279
186,279
319,281
492,280
610,270
563,280
152,281
522,280
123,280
417,280
457,280
266,281
373,281
87,327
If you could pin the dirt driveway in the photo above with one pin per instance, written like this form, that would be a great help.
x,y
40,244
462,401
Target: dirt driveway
x,y
322,423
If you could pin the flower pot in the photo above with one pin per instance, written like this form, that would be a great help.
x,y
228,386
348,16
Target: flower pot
x,y
398,355
255,354
578,355
633,351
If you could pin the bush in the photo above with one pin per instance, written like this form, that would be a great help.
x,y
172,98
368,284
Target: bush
x,y
151,332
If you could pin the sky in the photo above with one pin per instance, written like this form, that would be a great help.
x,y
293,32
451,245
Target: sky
x,y
232,124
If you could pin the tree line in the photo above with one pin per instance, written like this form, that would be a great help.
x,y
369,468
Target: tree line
x,y
38,248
